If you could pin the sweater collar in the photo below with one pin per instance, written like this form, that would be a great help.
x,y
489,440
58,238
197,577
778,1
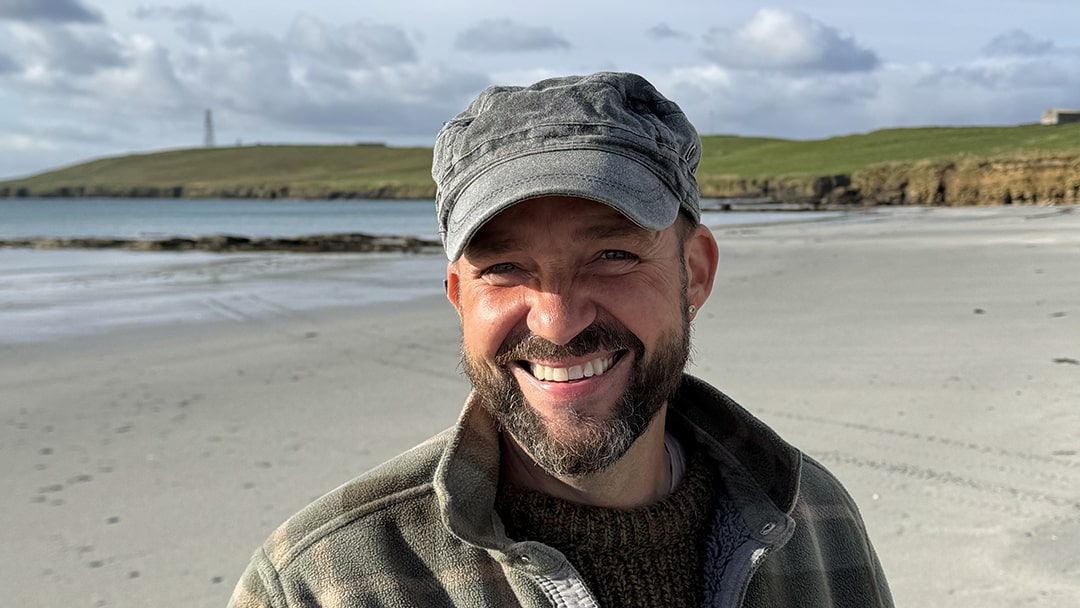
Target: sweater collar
x,y
759,469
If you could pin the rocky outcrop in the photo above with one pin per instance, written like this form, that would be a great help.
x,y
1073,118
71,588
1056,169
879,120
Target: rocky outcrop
x,y
257,191
316,243
1044,179
1018,179
1033,179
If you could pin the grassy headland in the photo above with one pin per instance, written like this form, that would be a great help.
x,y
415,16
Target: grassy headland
x,y
938,165
358,171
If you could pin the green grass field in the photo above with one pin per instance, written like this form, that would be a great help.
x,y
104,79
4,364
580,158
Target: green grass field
x,y
376,170
302,170
748,157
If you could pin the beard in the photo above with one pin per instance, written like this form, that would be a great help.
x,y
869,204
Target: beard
x,y
597,443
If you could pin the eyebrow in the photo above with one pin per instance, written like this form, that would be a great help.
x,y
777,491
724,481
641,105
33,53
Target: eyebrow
x,y
613,231
493,245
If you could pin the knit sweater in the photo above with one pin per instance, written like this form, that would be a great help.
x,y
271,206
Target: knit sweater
x,y
421,530
649,556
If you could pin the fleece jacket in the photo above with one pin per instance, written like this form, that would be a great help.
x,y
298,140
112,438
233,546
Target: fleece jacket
x,y
421,529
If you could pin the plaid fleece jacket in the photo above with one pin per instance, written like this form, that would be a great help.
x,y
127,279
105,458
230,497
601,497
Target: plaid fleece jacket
x,y
421,529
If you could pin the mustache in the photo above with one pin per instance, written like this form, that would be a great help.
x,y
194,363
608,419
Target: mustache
x,y
600,335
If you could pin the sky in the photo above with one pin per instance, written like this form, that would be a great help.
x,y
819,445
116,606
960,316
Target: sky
x,y
83,79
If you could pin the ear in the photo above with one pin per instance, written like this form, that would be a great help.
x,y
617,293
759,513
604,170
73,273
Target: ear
x,y
453,286
702,259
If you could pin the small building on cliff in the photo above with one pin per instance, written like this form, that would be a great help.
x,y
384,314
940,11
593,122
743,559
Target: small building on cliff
x,y
1057,116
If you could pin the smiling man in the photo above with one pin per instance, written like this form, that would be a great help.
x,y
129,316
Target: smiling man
x,y
587,469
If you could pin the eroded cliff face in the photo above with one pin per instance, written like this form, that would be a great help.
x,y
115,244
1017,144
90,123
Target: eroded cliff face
x,y
259,191
1030,179
1015,180
1022,180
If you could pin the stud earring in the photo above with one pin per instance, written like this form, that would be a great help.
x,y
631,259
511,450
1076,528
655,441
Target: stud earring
x,y
692,309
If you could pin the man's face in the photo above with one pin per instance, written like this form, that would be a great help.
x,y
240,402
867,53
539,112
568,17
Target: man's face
x,y
575,327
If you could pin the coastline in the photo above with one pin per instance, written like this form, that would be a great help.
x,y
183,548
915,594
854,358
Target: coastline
x,y
922,354
351,242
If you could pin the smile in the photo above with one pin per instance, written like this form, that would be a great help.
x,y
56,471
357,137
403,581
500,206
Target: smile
x,y
594,367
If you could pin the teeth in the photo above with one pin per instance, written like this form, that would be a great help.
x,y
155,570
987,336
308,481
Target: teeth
x,y
577,372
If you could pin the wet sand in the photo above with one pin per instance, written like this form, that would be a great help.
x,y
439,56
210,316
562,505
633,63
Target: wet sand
x,y
931,358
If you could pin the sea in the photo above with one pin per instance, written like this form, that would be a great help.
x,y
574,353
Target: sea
x,y
52,294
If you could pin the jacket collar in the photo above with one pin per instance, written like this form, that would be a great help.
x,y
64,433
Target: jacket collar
x,y
744,445
760,471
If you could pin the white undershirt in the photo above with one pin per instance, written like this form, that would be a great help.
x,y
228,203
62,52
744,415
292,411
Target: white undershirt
x,y
676,457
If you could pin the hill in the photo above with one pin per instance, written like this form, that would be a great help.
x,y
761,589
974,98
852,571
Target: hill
x,y
359,171
936,165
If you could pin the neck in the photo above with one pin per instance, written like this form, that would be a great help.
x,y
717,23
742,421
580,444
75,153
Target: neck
x,y
641,477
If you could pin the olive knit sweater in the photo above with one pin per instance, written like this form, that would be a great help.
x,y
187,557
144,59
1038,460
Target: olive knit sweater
x,y
648,556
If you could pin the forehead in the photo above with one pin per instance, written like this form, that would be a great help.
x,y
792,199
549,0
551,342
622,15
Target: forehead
x,y
552,217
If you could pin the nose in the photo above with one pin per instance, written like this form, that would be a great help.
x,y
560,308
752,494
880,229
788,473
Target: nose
x,y
560,315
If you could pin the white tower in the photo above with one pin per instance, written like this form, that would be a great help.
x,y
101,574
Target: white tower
x,y
208,133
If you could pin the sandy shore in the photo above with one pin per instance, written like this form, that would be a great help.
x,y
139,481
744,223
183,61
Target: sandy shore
x,y
931,358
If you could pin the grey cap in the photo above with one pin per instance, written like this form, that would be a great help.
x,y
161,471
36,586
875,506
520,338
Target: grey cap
x,y
609,137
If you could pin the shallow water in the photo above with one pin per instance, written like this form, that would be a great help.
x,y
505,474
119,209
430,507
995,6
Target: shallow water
x,y
50,294
157,218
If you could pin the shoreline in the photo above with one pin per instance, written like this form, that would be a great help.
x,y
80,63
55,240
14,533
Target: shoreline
x,y
350,242
921,354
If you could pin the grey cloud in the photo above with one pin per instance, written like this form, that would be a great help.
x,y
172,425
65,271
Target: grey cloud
x,y
778,40
409,103
50,11
253,64
1013,74
356,45
271,80
188,13
505,36
8,65
1017,43
194,22
75,51
67,133
663,31
771,103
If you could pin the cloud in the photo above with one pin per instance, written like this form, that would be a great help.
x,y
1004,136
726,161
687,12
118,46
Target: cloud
x,y
50,134
506,36
356,81
8,65
984,91
778,40
49,49
1018,43
51,11
724,100
318,82
190,13
663,31
194,22
356,45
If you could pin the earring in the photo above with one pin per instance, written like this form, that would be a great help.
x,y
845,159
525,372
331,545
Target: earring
x,y
692,309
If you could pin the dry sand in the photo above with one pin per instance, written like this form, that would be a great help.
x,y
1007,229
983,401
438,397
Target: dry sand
x,y
931,358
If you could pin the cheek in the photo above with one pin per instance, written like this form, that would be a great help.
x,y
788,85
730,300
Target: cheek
x,y
488,319
642,305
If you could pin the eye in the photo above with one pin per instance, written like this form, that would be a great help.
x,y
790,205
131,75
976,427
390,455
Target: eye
x,y
503,274
501,268
617,255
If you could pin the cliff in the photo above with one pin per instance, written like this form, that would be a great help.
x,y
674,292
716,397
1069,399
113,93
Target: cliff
x,y
315,243
1023,164
1023,179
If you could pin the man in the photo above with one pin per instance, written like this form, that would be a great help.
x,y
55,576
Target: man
x,y
586,469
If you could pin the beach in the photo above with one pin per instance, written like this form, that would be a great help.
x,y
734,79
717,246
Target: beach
x,y
929,357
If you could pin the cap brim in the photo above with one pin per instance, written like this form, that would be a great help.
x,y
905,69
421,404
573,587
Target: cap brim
x,y
598,175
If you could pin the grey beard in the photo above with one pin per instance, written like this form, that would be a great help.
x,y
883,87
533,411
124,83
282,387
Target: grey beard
x,y
601,442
